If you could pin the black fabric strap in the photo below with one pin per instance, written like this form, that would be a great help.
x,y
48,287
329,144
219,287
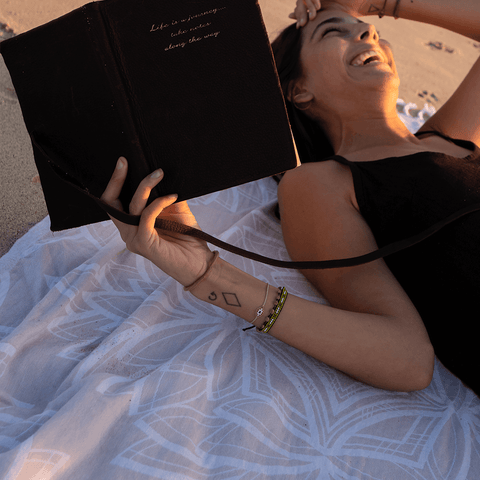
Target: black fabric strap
x,y
178,228
310,265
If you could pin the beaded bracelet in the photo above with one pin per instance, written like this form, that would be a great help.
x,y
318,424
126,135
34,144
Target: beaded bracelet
x,y
275,312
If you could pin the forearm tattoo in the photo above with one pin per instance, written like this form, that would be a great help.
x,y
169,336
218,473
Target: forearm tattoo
x,y
374,9
230,299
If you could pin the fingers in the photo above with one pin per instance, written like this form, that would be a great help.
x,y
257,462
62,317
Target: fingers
x,y
112,191
312,5
150,214
304,11
138,239
140,198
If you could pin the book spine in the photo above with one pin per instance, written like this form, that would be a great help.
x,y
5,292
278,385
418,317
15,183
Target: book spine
x,y
103,36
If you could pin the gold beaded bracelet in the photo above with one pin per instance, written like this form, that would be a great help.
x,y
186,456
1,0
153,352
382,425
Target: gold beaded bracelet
x,y
275,312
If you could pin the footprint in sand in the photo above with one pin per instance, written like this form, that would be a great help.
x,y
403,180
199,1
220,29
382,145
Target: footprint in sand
x,y
440,46
6,31
428,97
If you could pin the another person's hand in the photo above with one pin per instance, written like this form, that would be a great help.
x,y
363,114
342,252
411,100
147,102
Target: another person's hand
x,y
306,10
181,257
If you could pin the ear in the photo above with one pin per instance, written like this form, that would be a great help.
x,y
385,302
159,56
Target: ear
x,y
303,100
304,97
301,97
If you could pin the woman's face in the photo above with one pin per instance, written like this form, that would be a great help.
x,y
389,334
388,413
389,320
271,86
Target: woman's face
x,y
345,64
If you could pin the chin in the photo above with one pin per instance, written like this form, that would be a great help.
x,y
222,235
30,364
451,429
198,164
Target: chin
x,y
383,81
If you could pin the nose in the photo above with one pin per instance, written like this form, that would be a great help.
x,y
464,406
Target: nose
x,y
367,32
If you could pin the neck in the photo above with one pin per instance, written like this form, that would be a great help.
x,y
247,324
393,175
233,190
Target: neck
x,y
373,129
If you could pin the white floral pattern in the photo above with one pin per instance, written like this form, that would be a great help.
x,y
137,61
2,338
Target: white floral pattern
x,y
109,370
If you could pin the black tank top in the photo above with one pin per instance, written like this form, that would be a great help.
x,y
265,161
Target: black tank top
x,y
401,196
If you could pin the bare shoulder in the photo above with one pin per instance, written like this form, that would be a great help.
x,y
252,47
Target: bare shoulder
x,y
328,174
318,181
317,209
329,168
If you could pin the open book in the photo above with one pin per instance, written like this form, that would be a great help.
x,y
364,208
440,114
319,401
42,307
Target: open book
x,y
189,86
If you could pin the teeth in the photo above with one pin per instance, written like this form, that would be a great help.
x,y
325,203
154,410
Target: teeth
x,y
360,59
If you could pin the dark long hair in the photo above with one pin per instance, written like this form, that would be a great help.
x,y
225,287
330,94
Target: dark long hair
x,y
312,143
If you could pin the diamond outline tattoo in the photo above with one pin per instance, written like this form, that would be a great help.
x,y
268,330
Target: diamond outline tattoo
x,y
231,299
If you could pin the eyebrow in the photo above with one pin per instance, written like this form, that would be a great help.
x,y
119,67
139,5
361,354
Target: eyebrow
x,y
330,20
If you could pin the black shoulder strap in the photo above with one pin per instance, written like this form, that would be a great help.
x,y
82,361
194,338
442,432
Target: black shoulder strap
x,y
175,227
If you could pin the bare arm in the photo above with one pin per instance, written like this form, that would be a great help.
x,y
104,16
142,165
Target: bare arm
x,y
373,325
462,16
459,117
385,348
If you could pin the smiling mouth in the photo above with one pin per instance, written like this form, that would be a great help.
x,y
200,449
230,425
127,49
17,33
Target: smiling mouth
x,y
371,57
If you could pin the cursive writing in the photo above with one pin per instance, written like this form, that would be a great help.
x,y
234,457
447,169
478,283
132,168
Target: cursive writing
x,y
193,39
162,25
181,29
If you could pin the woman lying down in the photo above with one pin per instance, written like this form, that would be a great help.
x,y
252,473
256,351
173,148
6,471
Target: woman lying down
x,y
387,319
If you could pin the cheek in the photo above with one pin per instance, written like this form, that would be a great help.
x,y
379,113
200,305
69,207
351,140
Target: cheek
x,y
329,83
325,71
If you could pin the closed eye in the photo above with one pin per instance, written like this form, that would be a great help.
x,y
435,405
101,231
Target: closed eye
x,y
334,20
336,29
331,29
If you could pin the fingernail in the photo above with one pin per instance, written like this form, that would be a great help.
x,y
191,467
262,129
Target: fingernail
x,y
120,164
171,199
156,173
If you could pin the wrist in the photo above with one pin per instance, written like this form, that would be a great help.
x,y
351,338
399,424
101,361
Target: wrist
x,y
208,271
224,285
231,289
235,291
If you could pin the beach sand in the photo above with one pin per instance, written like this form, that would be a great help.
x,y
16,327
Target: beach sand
x,y
431,63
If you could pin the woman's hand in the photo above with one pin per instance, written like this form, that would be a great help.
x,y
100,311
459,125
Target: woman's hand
x,y
183,258
306,10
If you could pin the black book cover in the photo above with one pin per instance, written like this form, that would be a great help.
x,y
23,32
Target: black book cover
x,y
189,86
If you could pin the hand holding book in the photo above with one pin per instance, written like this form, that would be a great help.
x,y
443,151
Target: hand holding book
x,y
186,259
182,257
